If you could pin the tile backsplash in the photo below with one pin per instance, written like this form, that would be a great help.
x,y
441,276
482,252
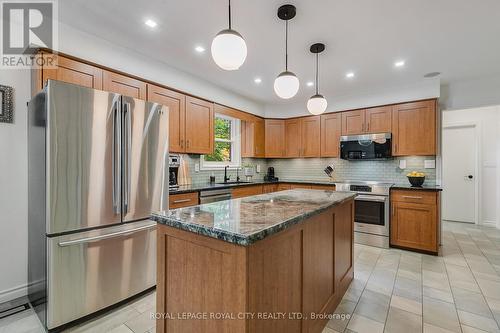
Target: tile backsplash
x,y
311,169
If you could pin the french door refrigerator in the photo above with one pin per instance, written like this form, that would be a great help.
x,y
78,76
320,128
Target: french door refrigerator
x,y
97,169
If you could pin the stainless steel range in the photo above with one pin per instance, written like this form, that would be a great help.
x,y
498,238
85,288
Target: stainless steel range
x,y
372,211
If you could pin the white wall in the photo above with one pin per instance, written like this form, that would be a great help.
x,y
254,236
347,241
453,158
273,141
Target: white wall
x,y
14,189
484,91
429,88
13,137
488,119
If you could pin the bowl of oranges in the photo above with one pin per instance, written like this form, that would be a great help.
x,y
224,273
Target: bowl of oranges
x,y
416,178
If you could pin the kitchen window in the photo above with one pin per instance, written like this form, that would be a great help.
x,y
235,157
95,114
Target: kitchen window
x,y
227,145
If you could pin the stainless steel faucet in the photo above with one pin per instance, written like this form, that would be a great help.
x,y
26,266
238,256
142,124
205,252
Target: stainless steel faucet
x,y
226,177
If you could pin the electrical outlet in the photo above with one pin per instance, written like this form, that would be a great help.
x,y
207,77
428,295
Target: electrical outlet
x,y
402,164
258,168
430,164
197,167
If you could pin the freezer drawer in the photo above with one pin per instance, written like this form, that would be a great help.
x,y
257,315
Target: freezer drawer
x,y
91,270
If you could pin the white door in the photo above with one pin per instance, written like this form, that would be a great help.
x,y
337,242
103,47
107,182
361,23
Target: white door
x,y
459,173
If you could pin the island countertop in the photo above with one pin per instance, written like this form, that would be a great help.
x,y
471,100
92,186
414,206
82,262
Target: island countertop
x,y
247,220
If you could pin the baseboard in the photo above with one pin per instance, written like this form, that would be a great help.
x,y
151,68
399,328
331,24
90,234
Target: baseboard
x,y
16,292
492,224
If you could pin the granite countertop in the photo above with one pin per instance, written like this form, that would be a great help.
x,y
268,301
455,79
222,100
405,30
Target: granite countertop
x,y
247,220
211,186
407,186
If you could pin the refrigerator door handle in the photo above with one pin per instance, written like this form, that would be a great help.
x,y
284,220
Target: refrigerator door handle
x,y
127,158
106,236
117,128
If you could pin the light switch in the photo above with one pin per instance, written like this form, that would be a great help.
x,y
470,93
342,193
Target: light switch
x,y
430,164
258,168
402,164
197,167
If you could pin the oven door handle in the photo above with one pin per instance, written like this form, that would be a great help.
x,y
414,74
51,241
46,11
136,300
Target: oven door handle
x,y
373,198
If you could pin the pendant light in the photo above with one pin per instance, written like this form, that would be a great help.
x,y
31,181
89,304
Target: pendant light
x,y
317,104
229,49
286,84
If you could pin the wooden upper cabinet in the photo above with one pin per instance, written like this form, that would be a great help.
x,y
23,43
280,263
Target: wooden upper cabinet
x,y
176,104
275,138
353,122
72,71
199,126
253,138
378,120
331,128
414,128
124,85
311,137
293,137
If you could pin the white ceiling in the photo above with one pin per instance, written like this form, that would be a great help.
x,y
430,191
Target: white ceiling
x,y
458,38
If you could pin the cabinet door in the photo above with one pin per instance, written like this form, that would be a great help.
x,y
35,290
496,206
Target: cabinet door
x,y
353,122
176,104
124,85
259,133
275,138
331,128
72,71
293,138
182,200
311,136
414,128
199,126
246,139
378,120
414,226
246,191
252,138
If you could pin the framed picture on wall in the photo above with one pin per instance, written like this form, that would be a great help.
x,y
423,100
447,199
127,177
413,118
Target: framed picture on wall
x,y
6,106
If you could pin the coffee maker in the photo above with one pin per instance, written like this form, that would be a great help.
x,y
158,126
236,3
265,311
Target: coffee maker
x,y
174,161
269,177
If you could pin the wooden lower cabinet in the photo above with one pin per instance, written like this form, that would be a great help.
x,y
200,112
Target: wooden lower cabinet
x,y
304,269
283,187
246,191
269,188
415,220
182,200
323,187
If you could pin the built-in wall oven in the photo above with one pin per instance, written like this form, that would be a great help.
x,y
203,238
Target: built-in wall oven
x,y
371,212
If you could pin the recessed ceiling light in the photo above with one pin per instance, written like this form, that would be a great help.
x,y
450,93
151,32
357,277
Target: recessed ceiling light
x,y
310,84
257,80
349,75
150,23
399,63
199,49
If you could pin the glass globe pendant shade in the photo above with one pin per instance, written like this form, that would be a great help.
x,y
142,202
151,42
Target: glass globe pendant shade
x,y
229,50
286,85
317,104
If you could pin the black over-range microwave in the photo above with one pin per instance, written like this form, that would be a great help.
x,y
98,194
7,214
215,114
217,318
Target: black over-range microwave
x,y
366,147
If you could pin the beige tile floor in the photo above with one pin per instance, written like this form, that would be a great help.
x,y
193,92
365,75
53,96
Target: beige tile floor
x,y
393,291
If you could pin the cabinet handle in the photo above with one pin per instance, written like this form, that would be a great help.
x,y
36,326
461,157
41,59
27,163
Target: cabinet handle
x,y
181,201
182,143
393,210
396,147
187,143
368,127
411,197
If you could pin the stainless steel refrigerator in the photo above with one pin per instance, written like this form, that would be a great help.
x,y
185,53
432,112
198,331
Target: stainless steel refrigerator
x,y
98,164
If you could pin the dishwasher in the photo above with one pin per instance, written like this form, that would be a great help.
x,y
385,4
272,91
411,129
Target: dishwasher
x,y
208,196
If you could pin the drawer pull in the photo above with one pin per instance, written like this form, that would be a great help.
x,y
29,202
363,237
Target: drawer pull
x,y
182,200
411,197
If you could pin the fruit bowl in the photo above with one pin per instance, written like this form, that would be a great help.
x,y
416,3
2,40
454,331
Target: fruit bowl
x,y
416,181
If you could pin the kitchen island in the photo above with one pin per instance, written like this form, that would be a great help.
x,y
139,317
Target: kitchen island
x,y
277,262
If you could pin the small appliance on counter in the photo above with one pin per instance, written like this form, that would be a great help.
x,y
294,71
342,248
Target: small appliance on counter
x,y
269,177
249,172
174,161
366,147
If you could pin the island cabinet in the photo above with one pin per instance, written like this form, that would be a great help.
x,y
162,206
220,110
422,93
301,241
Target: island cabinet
x,y
275,138
271,284
415,220
414,128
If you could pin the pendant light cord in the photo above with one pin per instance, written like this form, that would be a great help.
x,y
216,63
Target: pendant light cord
x,y
317,70
229,14
286,45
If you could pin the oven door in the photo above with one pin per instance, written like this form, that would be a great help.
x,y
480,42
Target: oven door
x,y
371,214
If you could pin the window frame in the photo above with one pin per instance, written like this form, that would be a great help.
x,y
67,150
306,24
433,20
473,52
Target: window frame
x,y
235,146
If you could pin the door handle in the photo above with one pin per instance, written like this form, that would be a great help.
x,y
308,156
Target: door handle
x,y
117,157
106,236
181,201
127,156
470,176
